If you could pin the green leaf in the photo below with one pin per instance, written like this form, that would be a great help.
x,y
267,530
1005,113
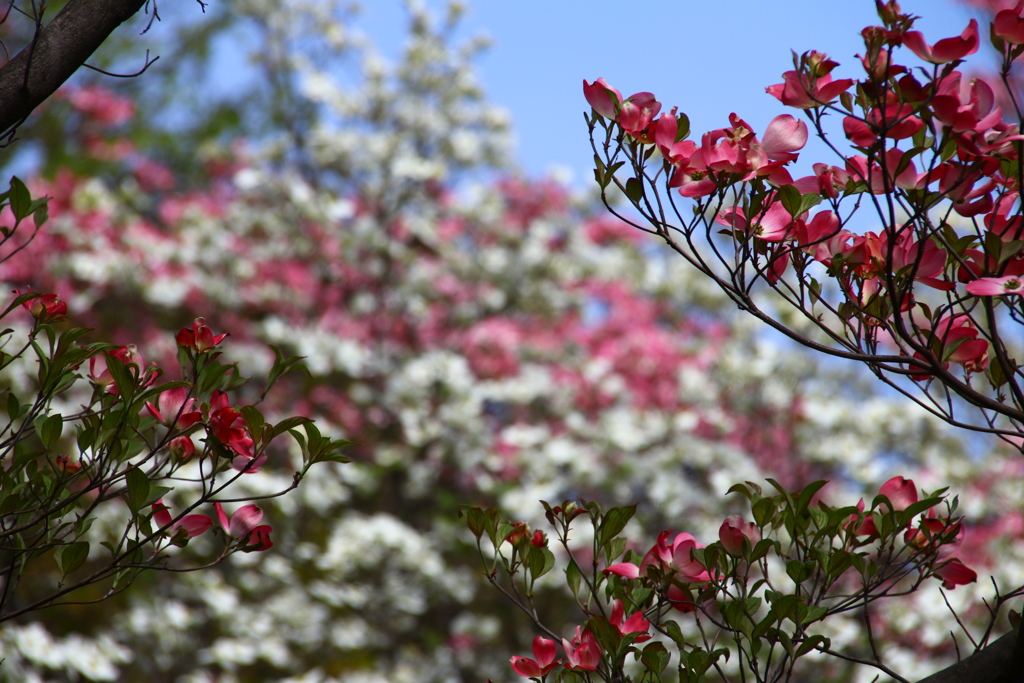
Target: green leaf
x,y
762,627
846,99
675,633
138,488
20,199
615,548
807,494
948,150
790,198
70,557
634,190
283,365
123,379
501,533
13,407
782,605
254,422
997,375
333,454
474,519
683,127
573,577
41,213
607,635
812,613
763,511
761,549
541,561
287,425
614,522
51,430
808,202
787,644
797,571
914,509
655,657
812,643
741,489
156,493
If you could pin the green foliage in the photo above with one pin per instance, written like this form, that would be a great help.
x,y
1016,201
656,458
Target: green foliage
x,y
733,593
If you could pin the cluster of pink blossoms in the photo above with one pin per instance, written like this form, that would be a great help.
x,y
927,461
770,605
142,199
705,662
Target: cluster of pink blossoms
x,y
176,409
582,653
972,176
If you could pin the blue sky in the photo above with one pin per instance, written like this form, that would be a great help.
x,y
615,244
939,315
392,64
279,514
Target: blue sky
x,y
709,58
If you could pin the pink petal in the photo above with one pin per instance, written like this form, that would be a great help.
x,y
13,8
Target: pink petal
x,y
221,516
195,524
161,513
544,650
785,134
902,493
245,519
526,667
260,537
626,570
602,97
954,574
996,286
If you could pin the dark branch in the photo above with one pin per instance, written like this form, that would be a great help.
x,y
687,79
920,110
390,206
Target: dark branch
x,y
988,665
149,63
59,49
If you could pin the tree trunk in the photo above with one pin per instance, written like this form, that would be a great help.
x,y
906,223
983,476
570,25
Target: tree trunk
x,y
59,49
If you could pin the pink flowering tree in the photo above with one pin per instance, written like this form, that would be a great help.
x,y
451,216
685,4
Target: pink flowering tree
x,y
752,603
95,434
929,298
921,301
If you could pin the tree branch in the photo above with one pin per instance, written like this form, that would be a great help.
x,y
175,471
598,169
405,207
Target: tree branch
x,y
57,51
988,665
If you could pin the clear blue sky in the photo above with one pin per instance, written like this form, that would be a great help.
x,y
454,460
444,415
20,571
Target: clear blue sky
x,y
710,58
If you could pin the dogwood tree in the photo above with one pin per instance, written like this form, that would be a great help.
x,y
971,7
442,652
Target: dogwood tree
x,y
485,342
929,302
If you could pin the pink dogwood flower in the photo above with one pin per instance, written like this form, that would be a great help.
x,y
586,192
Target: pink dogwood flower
x,y
199,337
544,659
175,409
867,526
941,536
996,286
182,447
245,524
1009,24
804,91
602,97
636,623
675,558
223,424
48,307
947,49
637,113
902,493
958,335
772,224
130,357
583,653
784,137
194,525
954,573
734,532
